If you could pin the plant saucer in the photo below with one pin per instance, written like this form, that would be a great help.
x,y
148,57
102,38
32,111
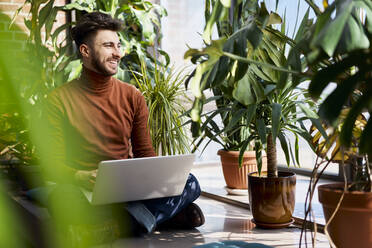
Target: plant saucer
x,y
272,225
231,191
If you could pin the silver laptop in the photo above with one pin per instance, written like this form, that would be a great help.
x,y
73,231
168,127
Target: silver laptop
x,y
140,178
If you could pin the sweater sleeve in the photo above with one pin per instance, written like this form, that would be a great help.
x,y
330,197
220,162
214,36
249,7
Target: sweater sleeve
x,y
140,137
54,149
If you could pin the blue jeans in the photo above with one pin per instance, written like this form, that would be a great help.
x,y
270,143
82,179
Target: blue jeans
x,y
68,205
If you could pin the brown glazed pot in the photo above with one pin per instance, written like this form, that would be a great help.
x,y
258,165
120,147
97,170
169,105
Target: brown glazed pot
x,y
272,200
235,177
352,224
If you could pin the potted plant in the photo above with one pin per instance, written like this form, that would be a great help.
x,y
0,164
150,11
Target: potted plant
x,y
338,52
252,69
227,124
166,99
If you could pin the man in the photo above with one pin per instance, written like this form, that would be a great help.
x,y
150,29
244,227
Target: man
x,y
97,117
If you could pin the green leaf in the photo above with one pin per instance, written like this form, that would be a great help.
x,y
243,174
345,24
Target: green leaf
x,y
263,14
261,129
365,139
251,111
274,53
325,76
216,12
59,30
222,72
212,76
236,118
49,23
258,71
73,69
346,134
243,149
276,114
330,34
297,150
269,89
77,6
207,10
319,126
284,145
196,110
353,37
253,34
302,28
242,92
195,129
148,29
332,105
368,18
258,90
274,18
258,150
212,98
308,112
240,48
165,55
45,12
226,3
209,120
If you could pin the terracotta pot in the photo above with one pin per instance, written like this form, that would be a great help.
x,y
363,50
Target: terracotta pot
x,y
235,177
352,224
272,200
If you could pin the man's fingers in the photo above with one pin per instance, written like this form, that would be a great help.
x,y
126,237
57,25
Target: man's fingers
x,y
93,174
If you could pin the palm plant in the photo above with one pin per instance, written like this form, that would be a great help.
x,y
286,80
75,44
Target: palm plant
x,y
338,51
250,69
166,98
345,61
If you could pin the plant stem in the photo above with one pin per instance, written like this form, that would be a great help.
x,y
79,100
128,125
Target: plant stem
x,y
272,169
246,60
314,7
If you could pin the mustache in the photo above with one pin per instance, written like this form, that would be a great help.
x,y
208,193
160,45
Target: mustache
x,y
115,59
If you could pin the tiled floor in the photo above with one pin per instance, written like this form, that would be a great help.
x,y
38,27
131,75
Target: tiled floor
x,y
222,222
211,180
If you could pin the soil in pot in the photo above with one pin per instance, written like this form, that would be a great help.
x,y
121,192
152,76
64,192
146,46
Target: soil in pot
x,y
272,200
235,177
352,224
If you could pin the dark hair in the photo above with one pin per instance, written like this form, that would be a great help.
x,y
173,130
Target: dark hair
x,y
90,23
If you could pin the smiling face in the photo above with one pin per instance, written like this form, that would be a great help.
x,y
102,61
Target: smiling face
x,y
102,54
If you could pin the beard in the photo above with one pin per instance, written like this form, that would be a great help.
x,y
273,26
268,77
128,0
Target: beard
x,y
100,67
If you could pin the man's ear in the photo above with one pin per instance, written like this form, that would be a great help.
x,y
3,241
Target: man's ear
x,y
84,50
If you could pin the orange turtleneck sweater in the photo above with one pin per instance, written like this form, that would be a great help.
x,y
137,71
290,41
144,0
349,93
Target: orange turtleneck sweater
x,y
97,118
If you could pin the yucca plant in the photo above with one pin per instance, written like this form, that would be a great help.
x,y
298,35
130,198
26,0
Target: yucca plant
x,y
166,99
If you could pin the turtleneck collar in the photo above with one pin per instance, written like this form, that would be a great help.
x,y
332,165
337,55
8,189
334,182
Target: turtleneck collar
x,y
94,82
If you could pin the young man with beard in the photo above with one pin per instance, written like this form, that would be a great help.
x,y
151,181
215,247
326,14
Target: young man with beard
x,y
97,117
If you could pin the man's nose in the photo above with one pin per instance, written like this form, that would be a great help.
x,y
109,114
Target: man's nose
x,y
117,52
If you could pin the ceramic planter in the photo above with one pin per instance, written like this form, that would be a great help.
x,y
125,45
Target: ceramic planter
x,y
272,200
352,224
235,177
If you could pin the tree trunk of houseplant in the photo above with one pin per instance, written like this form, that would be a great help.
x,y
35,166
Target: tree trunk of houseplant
x,y
272,194
272,169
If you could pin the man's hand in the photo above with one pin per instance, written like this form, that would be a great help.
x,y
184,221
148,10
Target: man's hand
x,y
86,179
